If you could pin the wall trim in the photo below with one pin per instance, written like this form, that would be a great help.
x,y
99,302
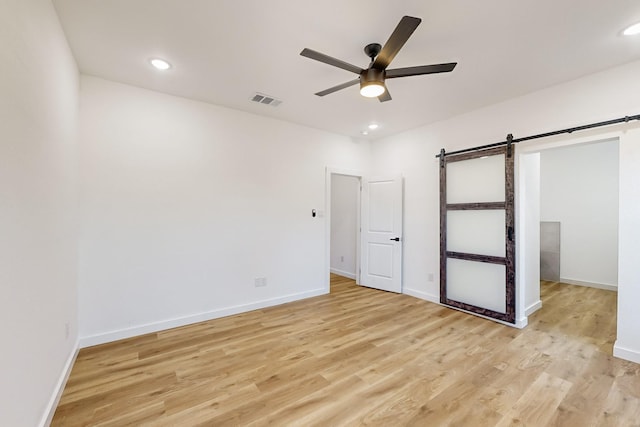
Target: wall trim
x,y
589,284
422,295
120,334
343,273
533,308
626,353
51,407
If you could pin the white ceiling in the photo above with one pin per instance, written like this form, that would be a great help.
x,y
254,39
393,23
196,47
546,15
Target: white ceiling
x,y
223,51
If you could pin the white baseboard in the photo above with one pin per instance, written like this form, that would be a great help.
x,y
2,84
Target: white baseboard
x,y
162,325
533,308
50,409
589,284
343,273
626,353
422,295
521,322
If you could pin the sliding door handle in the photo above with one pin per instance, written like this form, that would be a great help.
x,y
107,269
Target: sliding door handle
x,y
395,239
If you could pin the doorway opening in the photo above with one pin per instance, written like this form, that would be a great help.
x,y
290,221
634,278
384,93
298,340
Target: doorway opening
x,y
344,215
572,190
347,198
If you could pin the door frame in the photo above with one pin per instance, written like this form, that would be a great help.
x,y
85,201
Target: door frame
x,y
329,172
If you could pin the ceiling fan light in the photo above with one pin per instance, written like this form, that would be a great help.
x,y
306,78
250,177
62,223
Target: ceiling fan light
x,y
372,83
632,30
372,89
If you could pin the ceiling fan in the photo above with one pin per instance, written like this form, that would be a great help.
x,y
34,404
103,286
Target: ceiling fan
x,y
372,79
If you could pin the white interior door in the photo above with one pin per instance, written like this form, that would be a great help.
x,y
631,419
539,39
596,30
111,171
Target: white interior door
x,y
382,233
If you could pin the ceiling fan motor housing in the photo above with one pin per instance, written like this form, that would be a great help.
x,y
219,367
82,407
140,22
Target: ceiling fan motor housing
x,y
371,75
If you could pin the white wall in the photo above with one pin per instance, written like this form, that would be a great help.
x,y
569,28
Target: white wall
x,y
528,231
344,223
38,215
185,204
601,96
579,188
628,339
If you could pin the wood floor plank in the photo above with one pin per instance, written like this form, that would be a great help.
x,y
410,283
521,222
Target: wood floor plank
x,y
539,403
620,409
313,405
364,357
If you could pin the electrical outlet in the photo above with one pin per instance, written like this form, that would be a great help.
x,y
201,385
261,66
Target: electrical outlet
x,y
341,258
260,282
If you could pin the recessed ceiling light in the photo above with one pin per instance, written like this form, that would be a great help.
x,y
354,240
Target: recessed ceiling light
x,y
365,133
160,64
373,126
632,30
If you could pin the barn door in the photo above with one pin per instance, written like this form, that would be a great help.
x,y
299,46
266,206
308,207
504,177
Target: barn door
x,y
477,233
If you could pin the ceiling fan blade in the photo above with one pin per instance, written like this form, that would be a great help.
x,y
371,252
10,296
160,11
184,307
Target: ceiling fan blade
x,y
309,53
386,96
398,38
419,70
338,87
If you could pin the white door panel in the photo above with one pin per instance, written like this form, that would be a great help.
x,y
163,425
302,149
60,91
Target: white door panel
x,y
380,260
381,226
381,206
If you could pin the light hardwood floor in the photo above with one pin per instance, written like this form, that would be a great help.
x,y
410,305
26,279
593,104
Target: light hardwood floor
x,y
365,357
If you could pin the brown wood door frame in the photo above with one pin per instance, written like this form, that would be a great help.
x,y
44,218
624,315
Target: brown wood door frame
x,y
510,239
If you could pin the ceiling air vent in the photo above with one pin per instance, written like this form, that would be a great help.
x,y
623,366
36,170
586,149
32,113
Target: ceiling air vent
x,y
261,98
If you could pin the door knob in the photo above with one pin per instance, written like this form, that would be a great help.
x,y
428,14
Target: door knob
x,y
397,239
